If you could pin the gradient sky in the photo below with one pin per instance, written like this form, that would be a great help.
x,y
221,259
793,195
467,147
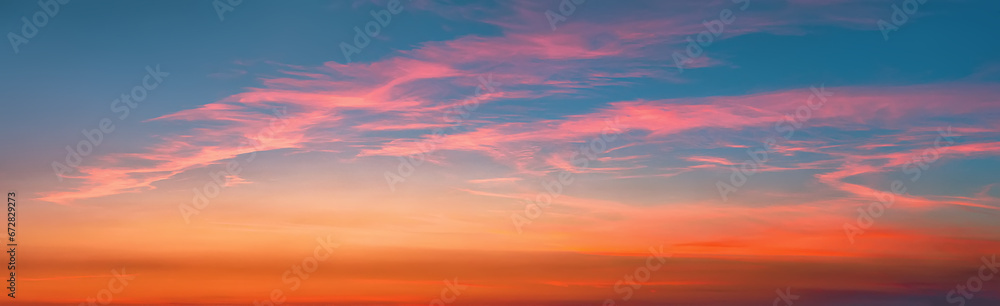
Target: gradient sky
x,y
330,135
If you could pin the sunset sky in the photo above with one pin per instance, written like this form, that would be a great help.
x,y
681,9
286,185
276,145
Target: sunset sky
x,y
538,152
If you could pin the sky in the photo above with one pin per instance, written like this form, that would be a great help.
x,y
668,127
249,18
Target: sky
x,y
418,152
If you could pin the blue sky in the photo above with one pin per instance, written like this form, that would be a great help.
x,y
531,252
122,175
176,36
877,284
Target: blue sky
x,y
347,127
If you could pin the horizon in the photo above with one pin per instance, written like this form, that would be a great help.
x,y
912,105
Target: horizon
x,y
426,152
